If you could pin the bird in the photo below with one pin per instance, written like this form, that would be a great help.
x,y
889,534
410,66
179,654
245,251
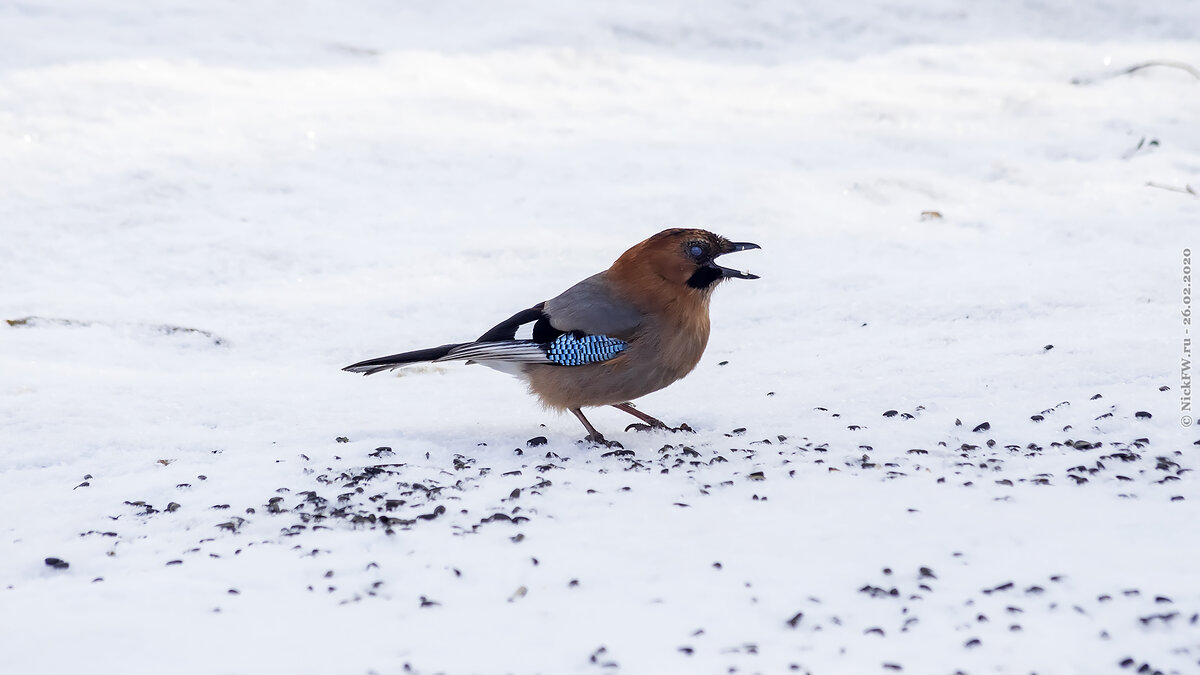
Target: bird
x,y
614,337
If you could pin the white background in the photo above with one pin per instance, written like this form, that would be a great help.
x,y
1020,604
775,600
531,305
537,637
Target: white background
x,y
316,183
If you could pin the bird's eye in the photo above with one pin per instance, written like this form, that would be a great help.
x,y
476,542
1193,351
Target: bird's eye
x,y
696,250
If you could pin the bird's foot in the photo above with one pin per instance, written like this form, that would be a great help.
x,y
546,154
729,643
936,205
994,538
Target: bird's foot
x,y
637,426
599,439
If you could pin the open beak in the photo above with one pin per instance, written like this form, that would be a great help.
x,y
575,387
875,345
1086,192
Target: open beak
x,y
732,273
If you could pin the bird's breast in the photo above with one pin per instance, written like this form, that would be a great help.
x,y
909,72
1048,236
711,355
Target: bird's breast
x,y
680,342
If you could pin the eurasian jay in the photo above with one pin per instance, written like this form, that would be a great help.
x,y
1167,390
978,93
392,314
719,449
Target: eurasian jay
x,y
613,337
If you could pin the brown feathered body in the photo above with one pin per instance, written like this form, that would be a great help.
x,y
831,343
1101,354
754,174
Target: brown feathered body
x,y
666,345
630,330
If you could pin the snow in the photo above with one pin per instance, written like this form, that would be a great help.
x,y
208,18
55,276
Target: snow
x,y
208,209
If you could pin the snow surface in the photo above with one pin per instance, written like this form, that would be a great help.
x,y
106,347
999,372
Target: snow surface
x,y
208,208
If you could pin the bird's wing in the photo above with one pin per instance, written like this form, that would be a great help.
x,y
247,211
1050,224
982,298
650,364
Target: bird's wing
x,y
591,307
587,323
568,349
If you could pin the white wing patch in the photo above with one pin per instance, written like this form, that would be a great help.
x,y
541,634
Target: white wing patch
x,y
523,351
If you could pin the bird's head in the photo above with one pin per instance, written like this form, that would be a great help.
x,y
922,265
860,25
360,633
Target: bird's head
x,y
686,258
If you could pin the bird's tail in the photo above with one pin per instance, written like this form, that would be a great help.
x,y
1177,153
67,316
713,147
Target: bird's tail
x,y
396,360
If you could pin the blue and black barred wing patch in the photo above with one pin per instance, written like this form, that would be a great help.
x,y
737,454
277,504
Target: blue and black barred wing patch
x,y
570,349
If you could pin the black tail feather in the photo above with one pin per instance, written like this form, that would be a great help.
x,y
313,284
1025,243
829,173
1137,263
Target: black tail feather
x,y
396,360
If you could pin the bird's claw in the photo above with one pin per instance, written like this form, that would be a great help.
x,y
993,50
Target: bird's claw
x,y
637,426
599,439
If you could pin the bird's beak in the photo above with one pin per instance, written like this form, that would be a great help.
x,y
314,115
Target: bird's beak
x,y
734,247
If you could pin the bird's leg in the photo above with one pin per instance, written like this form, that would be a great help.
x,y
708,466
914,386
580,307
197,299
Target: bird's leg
x,y
650,422
593,435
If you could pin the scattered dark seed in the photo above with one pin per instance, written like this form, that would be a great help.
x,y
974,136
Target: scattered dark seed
x,y
984,426
890,413
536,441
57,563
437,511
877,592
1165,618
1142,415
342,439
